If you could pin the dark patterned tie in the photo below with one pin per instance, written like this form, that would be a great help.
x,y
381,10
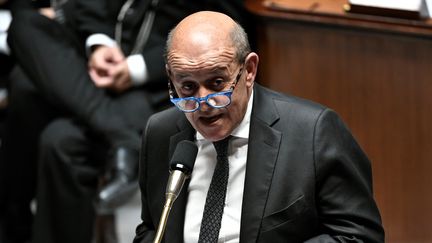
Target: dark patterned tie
x,y
215,201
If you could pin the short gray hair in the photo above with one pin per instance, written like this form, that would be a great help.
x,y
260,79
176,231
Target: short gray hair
x,y
240,41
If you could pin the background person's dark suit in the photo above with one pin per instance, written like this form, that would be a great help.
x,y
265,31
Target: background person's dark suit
x,y
54,81
306,177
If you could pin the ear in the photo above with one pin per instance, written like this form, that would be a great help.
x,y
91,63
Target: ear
x,y
167,70
171,88
251,67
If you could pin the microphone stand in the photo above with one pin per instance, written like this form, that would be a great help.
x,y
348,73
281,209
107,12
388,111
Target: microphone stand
x,y
175,184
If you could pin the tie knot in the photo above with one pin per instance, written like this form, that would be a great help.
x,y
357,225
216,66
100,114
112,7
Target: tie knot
x,y
221,146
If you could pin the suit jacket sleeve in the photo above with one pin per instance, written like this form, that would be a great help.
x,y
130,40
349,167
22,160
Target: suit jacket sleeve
x,y
96,16
346,208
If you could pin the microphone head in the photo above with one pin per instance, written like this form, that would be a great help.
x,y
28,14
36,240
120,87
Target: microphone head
x,y
184,156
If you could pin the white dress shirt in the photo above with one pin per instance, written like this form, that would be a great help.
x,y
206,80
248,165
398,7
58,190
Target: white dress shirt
x,y
200,182
5,20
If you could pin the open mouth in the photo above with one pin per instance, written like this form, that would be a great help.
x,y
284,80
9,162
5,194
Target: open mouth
x,y
210,120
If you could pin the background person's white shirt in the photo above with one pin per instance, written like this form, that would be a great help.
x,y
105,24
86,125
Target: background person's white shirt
x,y
5,20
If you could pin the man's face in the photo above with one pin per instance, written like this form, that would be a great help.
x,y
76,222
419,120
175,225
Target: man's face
x,y
208,74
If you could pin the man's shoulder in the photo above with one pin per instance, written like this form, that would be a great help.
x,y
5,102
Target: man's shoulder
x,y
287,103
166,117
286,111
164,123
169,112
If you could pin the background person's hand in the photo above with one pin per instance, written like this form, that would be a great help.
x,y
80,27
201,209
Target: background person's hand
x,y
48,12
101,64
121,77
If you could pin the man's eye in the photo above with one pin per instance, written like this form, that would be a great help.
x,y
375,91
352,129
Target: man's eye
x,y
188,88
217,84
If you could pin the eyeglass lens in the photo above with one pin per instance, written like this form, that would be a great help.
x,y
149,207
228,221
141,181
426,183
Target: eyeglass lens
x,y
214,100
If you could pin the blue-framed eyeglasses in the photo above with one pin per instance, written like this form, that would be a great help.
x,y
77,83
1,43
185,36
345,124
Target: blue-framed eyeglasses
x,y
216,100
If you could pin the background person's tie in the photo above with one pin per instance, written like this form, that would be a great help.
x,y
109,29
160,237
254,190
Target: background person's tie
x,y
214,205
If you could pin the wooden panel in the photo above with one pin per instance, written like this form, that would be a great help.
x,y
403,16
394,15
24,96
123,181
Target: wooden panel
x,y
380,82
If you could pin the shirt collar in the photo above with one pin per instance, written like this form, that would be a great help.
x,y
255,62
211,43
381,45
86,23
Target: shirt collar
x,y
242,131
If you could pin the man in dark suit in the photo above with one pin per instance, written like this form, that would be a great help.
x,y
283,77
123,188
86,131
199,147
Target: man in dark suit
x,y
296,174
103,101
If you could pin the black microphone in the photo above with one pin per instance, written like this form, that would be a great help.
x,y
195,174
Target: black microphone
x,y
181,165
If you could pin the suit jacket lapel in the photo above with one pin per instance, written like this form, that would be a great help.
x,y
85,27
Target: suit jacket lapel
x,y
174,228
263,149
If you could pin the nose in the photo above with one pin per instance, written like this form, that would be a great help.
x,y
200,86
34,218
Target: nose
x,y
203,92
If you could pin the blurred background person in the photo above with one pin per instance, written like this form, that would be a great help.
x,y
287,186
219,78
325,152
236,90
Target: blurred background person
x,y
89,75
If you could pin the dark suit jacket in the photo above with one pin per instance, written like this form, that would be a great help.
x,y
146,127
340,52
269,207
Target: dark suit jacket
x,y
306,177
